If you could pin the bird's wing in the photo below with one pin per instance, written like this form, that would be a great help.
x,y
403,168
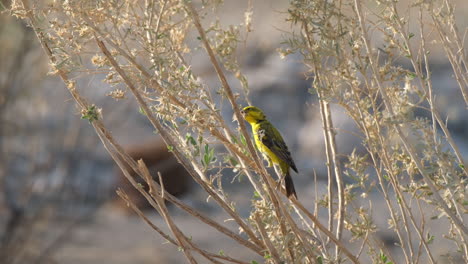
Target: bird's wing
x,y
272,139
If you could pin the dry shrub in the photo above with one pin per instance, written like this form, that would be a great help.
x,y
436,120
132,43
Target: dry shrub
x,y
141,48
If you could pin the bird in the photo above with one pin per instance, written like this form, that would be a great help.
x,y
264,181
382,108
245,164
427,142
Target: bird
x,y
270,143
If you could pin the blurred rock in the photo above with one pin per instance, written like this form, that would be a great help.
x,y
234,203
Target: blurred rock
x,y
154,153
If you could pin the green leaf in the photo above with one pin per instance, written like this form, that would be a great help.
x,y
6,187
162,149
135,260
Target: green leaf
x,y
319,259
207,159
256,195
190,139
411,75
142,111
430,238
212,156
170,148
231,160
92,114
243,141
383,258
208,156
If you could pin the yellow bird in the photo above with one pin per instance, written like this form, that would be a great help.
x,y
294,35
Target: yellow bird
x,y
271,144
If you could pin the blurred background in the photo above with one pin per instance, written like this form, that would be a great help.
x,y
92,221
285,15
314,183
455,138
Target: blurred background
x,y
57,183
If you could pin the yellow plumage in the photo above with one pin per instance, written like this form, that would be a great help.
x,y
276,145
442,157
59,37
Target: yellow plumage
x,y
271,144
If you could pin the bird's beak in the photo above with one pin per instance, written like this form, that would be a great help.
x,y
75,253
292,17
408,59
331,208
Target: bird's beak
x,y
243,112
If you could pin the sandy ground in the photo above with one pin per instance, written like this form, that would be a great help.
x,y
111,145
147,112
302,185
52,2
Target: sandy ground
x,y
114,237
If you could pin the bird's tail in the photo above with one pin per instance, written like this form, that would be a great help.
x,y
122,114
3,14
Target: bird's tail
x,y
289,185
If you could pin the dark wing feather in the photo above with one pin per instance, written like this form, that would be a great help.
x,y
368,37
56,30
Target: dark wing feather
x,y
276,144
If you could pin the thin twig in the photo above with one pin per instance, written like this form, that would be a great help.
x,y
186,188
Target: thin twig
x,y
338,173
409,148
266,239
191,168
327,232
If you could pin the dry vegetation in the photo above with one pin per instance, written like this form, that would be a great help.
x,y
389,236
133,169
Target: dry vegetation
x,y
141,49
39,200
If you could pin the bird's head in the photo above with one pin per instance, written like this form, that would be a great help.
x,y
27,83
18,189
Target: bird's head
x,y
253,114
